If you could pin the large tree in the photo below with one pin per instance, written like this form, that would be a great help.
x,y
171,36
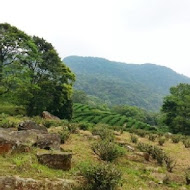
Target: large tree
x,y
32,72
176,106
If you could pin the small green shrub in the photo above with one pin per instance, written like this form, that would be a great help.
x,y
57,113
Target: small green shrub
x,y
6,123
187,176
161,141
85,126
152,137
134,138
103,132
186,142
64,135
176,138
101,177
107,151
170,163
73,127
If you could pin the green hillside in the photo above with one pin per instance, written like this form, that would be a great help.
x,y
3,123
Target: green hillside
x,y
118,83
85,113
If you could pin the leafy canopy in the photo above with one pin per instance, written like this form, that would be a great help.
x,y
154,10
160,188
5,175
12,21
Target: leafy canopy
x,y
176,106
32,73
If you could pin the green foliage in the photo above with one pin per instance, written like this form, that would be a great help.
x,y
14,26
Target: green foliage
x,y
103,132
176,106
186,142
107,151
101,176
33,75
124,84
134,138
64,135
161,141
152,137
176,138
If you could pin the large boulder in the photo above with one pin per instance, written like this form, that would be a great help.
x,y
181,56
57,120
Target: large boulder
x,y
18,183
55,160
48,141
47,115
10,143
29,125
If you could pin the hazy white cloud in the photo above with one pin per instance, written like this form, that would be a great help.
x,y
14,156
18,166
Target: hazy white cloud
x,y
131,31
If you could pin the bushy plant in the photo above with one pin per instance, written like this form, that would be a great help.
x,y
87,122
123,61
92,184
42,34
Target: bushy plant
x,y
64,135
186,142
134,138
175,138
6,123
103,132
85,126
152,137
161,141
170,163
73,127
107,151
187,176
101,176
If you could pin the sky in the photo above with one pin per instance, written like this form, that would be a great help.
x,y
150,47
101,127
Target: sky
x,y
130,31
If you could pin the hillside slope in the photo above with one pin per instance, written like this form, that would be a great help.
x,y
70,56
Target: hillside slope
x,y
118,83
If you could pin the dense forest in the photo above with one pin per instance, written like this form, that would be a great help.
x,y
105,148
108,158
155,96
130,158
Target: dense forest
x,y
115,83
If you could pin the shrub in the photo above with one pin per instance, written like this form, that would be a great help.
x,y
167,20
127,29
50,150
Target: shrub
x,y
170,163
73,127
85,126
107,151
134,138
161,141
101,177
103,132
152,137
5,123
175,138
64,135
186,143
187,176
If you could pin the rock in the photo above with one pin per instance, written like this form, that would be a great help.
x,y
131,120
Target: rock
x,y
117,133
6,145
29,125
18,183
145,155
48,141
160,177
47,115
55,160
130,148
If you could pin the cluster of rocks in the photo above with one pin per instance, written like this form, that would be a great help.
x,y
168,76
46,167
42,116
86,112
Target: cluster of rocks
x,y
30,134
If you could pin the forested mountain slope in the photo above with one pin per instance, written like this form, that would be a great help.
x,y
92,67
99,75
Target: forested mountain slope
x,y
118,83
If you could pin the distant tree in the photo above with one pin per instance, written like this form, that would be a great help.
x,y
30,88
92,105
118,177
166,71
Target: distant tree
x,y
79,97
176,106
33,74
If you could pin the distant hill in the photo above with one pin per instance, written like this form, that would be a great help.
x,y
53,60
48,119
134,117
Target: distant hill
x,y
119,83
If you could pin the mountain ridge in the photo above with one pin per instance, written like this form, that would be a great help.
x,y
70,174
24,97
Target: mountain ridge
x,y
142,85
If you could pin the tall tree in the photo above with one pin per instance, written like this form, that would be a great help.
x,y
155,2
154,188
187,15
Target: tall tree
x,y
176,106
33,73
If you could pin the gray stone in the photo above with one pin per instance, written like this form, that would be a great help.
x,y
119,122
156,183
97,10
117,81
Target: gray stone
x,y
29,125
55,160
18,183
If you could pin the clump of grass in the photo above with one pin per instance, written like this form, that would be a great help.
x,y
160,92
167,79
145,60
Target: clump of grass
x,y
64,135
